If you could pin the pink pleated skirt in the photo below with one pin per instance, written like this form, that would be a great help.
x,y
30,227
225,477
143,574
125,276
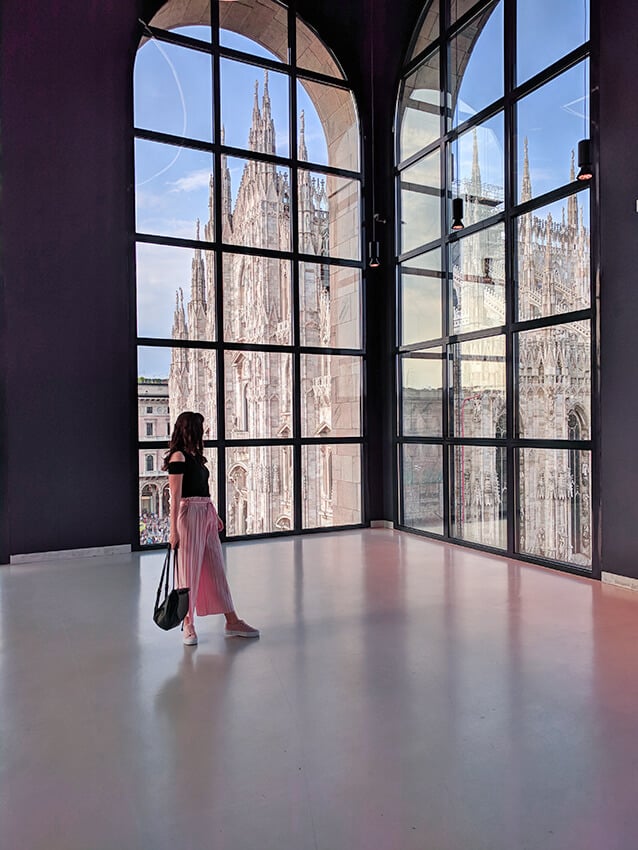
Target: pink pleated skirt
x,y
201,560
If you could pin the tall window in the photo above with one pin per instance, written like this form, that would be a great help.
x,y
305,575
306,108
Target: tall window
x,y
495,314
249,266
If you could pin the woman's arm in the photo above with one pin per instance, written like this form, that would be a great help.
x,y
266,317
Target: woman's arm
x,y
175,487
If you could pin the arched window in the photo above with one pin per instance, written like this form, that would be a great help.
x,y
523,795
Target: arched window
x,y
150,464
248,194
494,271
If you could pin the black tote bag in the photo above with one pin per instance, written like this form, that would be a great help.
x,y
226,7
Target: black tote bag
x,y
171,611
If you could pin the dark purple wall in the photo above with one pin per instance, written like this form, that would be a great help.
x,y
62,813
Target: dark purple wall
x,y
618,188
66,116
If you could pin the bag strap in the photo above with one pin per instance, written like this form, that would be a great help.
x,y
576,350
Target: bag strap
x,y
175,566
165,571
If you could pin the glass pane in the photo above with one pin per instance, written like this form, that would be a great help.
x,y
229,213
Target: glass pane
x,y
329,306
262,26
153,412
258,395
312,55
422,392
164,274
421,202
459,7
420,108
154,496
173,90
421,299
252,118
553,258
330,396
476,64
477,170
555,505
328,129
329,215
554,377
423,488
173,190
257,300
201,33
190,378
547,30
256,204
429,29
478,379
551,121
477,264
331,485
259,490
480,495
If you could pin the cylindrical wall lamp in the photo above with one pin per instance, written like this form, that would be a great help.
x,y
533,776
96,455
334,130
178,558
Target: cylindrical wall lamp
x,y
586,172
457,214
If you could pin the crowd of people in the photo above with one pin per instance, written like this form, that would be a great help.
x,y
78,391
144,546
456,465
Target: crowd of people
x,y
154,529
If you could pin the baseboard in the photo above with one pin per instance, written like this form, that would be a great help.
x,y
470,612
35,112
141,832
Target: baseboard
x,y
381,523
620,581
71,554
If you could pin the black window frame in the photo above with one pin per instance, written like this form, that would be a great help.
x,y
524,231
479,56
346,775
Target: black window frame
x,y
513,442
221,443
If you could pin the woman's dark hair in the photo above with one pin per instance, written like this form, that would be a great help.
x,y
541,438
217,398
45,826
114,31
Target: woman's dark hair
x,y
188,437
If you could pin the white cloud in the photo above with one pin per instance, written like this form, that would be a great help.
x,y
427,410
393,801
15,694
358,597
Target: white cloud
x,y
191,182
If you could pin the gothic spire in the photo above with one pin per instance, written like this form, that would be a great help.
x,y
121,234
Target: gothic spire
x,y
198,276
253,135
526,188
476,169
303,150
572,204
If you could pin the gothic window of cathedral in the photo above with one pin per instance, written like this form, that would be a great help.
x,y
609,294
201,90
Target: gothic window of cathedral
x,y
496,321
249,272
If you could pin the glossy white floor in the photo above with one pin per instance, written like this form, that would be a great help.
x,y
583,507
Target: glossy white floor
x,y
405,695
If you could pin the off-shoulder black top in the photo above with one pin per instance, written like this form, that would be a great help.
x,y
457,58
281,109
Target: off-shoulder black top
x,y
195,480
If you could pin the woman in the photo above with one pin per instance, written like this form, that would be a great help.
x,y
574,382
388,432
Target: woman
x,y
195,528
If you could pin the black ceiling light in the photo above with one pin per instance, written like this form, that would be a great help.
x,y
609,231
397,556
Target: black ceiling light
x,y
586,172
457,214
373,254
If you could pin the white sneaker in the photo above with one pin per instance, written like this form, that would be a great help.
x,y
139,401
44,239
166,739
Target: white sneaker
x,y
190,636
242,629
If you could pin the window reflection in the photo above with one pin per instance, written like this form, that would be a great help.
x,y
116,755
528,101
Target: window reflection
x,y
331,482
555,499
554,376
480,501
423,487
476,64
478,379
477,170
421,299
553,272
421,202
477,264
422,387
420,108
551,121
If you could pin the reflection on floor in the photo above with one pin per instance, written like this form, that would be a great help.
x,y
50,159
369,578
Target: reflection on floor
x,y
405,695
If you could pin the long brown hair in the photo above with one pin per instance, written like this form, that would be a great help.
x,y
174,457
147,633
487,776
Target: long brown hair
x,y
188,437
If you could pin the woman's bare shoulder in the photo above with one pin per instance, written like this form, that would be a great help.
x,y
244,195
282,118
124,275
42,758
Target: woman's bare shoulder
x,y
177,457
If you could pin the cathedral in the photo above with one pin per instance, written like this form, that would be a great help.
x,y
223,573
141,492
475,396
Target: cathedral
x,y
257,297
